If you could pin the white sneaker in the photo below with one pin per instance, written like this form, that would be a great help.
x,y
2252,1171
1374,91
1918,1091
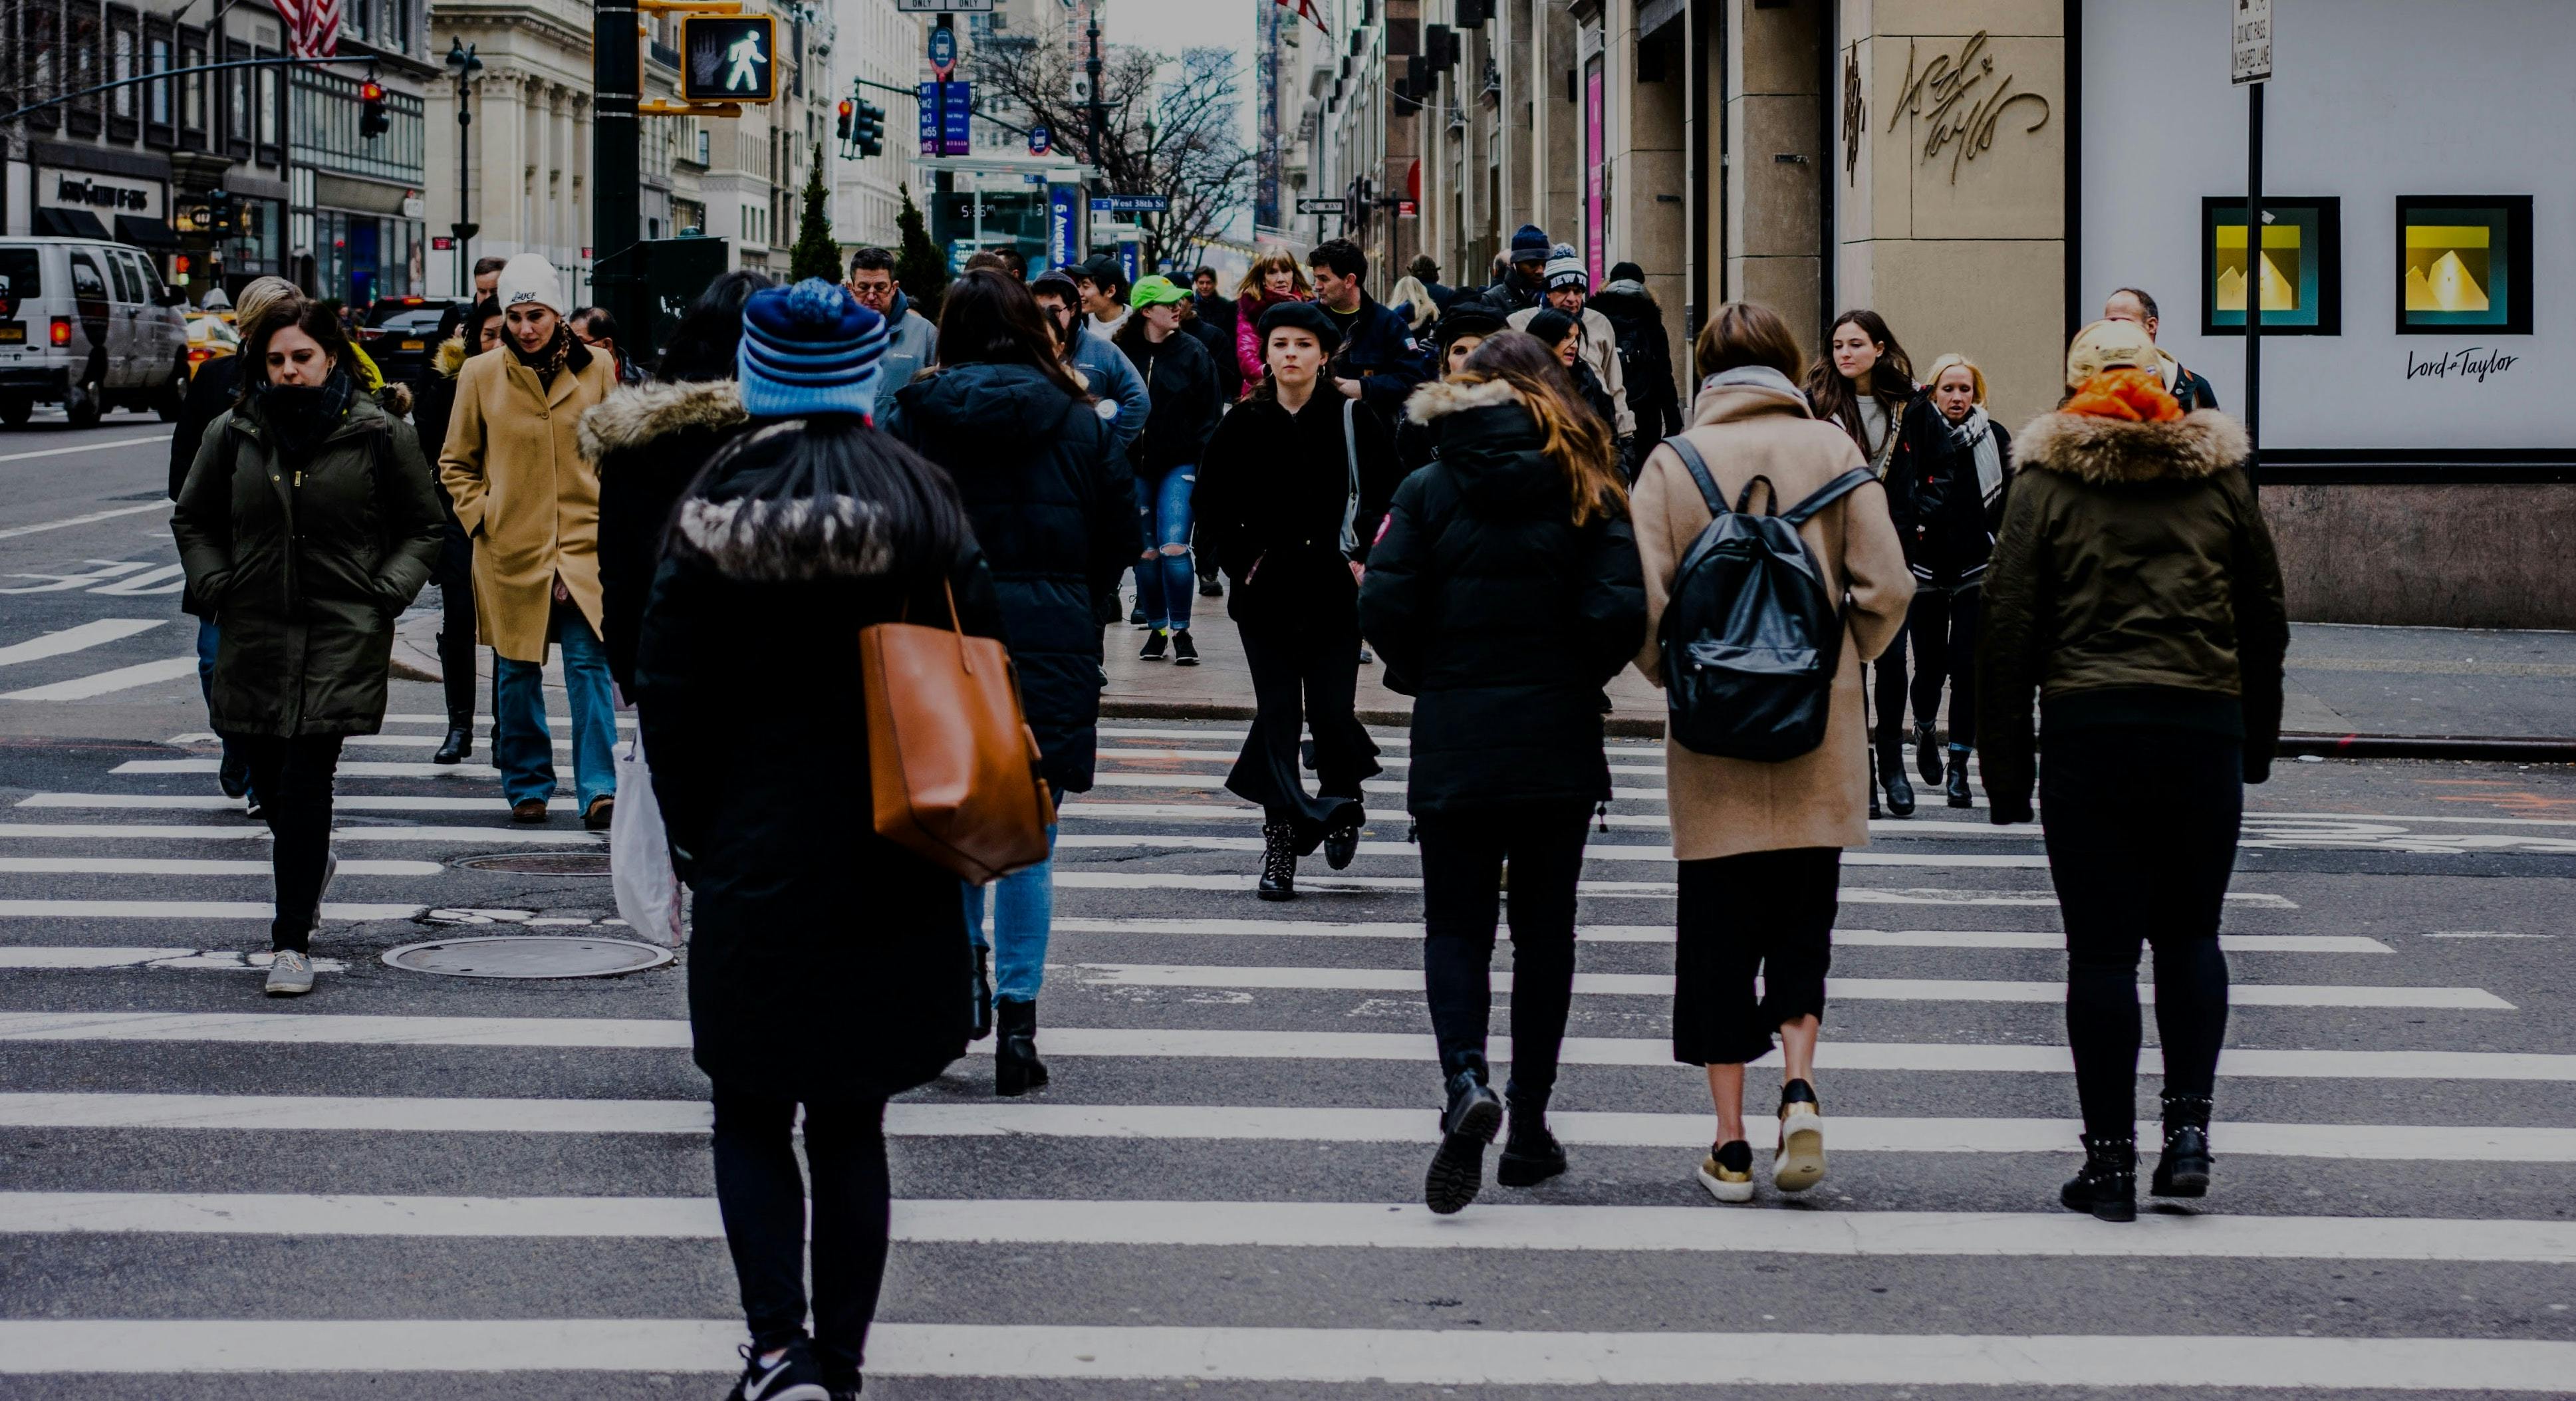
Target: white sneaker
x,y
290,974
1799,1162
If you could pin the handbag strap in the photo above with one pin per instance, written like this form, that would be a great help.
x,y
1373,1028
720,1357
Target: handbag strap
x,y
1351,453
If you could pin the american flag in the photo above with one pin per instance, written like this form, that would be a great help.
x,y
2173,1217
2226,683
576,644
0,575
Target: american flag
x,y
312,27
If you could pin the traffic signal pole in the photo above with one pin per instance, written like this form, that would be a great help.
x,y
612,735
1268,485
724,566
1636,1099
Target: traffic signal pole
x,y
616,162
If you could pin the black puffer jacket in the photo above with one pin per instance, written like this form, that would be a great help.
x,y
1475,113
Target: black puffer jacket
x,y
1500,616
824,960
1645,357
1951,524
304,566
1270,501
1182,395
1055,511
649,443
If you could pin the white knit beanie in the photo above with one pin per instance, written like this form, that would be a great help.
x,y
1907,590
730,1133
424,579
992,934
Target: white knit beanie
x,y
528,277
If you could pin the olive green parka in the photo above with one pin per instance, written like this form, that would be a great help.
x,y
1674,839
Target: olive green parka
x,y
305,571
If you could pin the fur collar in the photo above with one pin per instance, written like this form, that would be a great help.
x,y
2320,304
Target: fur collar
x,y
2111,451
1440,397
631,418
450,357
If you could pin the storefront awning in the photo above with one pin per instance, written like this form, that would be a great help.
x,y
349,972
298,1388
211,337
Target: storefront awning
x,y
69,223
145,233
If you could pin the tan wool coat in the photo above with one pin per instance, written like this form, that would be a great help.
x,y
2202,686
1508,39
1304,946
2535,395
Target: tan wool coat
x,y
1724,807
525,494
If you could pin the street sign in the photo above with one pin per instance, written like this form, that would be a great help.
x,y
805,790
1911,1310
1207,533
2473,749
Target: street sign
x,y
944,7
1037,141
441,243
1078,90
1131,204
1406,209
943,52
2249,42
1063,225
947,110
728,58
1319,206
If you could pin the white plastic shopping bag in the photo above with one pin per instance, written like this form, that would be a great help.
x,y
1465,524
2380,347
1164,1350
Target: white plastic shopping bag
x,y
639,856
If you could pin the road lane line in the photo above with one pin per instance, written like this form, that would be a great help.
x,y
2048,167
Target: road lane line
x,y
1079,879
191,909
79,957
178,866
1115,841
13,532
75,639
197,802
158,832
124,678
362,768
90,447
1663,934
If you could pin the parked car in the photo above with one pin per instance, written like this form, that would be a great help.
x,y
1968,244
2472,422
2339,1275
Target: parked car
x,y
87,325
211,336
402,340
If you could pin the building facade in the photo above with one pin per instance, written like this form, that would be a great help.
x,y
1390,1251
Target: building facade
x,y
882,45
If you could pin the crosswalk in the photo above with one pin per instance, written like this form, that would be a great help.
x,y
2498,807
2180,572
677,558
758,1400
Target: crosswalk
x,y
492,1187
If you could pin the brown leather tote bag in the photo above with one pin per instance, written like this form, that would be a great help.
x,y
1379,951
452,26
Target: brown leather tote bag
x,y
950,755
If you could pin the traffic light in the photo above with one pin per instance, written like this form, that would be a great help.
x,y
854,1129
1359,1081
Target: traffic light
x,y
374,121
223,213
728,58
847,107
868,128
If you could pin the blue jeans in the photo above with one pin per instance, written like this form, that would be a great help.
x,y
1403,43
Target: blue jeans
x,y
1023,913
1165,584
525,749
209,640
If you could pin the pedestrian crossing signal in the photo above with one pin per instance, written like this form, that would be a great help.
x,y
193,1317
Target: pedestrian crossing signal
x,y
729,58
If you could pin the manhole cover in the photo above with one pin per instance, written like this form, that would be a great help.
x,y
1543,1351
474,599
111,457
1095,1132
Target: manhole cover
x,y
527,956
540,863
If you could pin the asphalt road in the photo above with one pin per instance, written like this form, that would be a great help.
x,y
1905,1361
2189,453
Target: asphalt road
x,y
507,1193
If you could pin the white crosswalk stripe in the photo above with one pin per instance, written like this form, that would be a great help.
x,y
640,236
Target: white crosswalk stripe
x,y
1191,1031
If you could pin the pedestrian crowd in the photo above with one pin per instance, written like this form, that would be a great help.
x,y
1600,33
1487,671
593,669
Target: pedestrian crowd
x,y
1501,495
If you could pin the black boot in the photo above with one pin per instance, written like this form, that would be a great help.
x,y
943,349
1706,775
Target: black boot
x,y
1016,1067
2108,1185
983,993
1927,755
1278,861
460,742
2183,1171
1342,843
1891,772
1531,1155
1466,1126
1957,787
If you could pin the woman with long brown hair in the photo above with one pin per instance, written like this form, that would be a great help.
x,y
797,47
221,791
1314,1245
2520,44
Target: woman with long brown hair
x,y
1503,595
1274,277
1864,385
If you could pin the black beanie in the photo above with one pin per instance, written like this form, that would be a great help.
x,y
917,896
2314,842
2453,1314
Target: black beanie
x,y
1304,316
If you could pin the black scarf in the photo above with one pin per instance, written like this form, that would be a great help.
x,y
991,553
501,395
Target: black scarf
x,y
300,416
552,356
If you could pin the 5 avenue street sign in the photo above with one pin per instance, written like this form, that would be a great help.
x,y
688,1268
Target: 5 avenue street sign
x,y
1319,206
943,7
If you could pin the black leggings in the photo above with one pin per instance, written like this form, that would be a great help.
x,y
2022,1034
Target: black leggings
x,y
457,650
2141,831
1943,626
1462,865
1887,678
293,780
763,1202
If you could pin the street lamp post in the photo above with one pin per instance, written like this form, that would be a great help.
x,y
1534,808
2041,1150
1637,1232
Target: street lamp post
x,y
460,57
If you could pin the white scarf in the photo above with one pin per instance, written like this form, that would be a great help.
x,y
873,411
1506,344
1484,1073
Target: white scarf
x,y
1976,434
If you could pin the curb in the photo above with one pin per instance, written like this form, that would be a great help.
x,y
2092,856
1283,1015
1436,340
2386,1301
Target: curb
x,y
2489,748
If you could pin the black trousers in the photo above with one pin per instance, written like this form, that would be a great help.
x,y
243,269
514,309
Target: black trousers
x,y
1763,912
2141,832
1462,866
1887,679
293,780
1304,676
1943,625
763,1198
457,651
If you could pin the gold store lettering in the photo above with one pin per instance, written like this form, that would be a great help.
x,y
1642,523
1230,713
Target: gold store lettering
x,y
1960,118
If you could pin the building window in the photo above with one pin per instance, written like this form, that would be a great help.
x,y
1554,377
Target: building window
x,y
192,101
122,55
158,100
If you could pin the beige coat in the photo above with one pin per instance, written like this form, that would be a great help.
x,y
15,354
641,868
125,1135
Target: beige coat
x,y
525,494
1599,347
1722,807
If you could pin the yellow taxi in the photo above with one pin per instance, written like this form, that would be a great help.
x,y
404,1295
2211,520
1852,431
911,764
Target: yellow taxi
x,y
210,336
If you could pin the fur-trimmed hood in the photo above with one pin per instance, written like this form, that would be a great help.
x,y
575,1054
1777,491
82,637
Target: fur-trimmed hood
x,y
1440,397
631,418
2117,451
449,357
746,531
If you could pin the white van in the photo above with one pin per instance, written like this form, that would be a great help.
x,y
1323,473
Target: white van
x,y
89,326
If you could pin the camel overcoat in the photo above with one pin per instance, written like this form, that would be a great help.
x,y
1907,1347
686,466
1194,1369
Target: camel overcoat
x,y
525,494
1723,807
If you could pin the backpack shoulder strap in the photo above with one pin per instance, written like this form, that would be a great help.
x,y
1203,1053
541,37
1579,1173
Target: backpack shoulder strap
x,y
1828,494
1698,467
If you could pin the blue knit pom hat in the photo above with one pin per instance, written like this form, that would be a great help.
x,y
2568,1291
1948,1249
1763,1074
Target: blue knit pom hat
x,y
1529,244
809,349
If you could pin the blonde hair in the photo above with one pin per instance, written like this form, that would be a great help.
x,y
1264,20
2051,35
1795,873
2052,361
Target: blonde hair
x,y
1956,361
1410,294
1272,260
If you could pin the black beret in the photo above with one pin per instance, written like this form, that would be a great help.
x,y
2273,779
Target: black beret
x,y
1467,316
1304,316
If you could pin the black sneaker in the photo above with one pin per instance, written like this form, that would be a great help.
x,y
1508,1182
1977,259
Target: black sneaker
x,y
1209,587
1531,1154
795,1376
1155,643
1136,615
232,775
1184,651
1457,1172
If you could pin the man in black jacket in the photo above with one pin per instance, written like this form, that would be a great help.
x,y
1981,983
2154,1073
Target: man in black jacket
x,y
1645,351
1379,361
2130,304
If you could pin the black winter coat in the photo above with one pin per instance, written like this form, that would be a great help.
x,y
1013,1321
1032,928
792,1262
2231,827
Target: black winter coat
x,y
1949,528
304,567
1054,509
210,395
825,962
431,409
649,442
1501,617
1645,358
1183,398
1270,501
1380,351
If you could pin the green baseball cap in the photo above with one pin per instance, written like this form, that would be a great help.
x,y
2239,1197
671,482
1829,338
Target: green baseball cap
x,y
1155,290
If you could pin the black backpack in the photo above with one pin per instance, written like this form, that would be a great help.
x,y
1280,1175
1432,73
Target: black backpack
x,y
1750,639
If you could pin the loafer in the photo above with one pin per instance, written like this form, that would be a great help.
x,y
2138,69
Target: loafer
x,y
532,810
603,810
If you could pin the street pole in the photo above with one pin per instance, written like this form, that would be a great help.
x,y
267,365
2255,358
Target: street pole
x,y
1095,108
2254,283
616,198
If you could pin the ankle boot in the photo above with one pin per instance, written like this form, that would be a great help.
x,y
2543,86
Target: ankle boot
x,y
459,742
1874,812
1466,1126
1891,772
983,993
1278,861
2183,1171
1531,1154
1016,1067
1956,789
1927,755
2108,1185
